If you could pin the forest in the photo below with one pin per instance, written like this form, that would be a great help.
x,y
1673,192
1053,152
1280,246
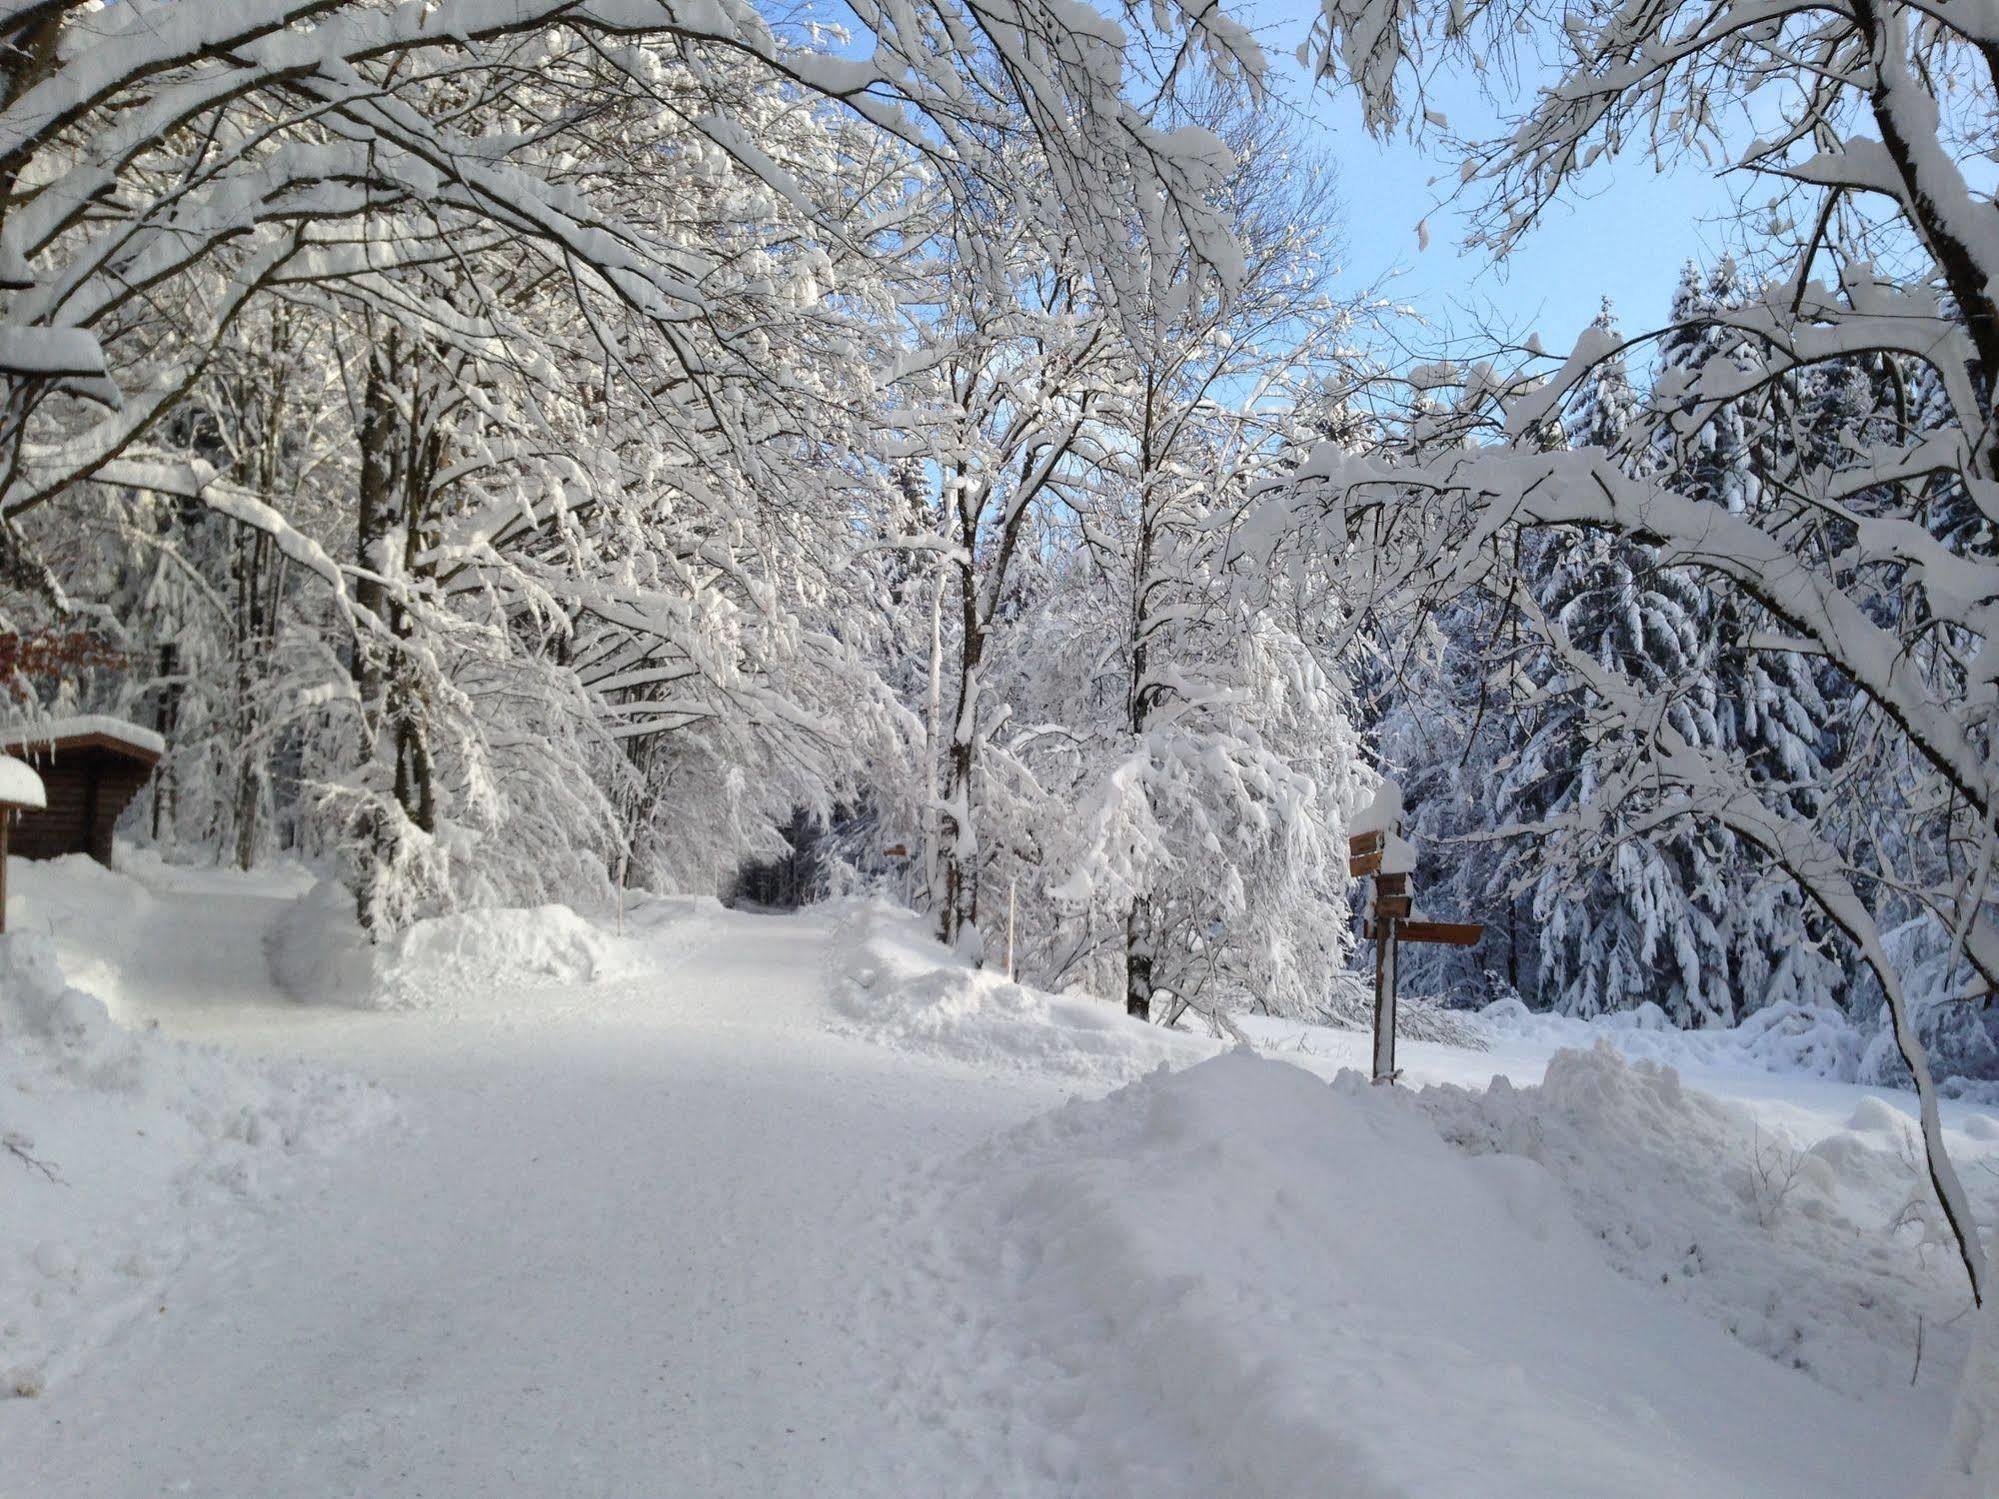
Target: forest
x,y
556,451
518,465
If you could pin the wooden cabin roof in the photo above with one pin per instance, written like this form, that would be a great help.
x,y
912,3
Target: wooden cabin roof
x,y
88,731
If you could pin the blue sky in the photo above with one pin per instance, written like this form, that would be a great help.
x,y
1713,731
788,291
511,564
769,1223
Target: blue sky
x,y
1627,240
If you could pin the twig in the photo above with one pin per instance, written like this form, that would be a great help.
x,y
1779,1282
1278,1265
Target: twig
x,y
18,1148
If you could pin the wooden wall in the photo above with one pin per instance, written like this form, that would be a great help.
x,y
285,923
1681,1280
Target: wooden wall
x,y
87,786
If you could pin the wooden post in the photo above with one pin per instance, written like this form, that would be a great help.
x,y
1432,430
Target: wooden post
x,y
1395,922
1389,903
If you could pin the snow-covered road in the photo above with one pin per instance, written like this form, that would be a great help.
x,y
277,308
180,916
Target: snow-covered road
x,y
678,1235
617,1256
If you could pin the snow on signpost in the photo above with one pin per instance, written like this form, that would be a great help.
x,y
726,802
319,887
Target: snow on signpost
x,y
1376,849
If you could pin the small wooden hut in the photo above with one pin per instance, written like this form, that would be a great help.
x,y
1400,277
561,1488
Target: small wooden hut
x,y
90,769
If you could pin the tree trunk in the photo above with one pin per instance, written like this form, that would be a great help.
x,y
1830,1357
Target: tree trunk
x,y
375,515
253,647
409,700
958,916
1138,961
1141,697
933,708
166,720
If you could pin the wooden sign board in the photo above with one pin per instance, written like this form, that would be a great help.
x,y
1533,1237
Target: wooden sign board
x,y
1450,933
1361,865
1366,843
1397,906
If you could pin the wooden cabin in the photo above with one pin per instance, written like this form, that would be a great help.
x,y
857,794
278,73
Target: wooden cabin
x,y
90,769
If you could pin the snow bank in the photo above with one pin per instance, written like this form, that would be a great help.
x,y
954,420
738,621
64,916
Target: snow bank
x,y
1810,1040
547,942
532,948
318,951
901,989
1970,1467
1240,1279
1815,1040
1829,1256
99,919
126,1154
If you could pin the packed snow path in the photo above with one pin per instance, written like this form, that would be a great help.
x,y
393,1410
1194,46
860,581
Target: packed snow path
x,y
608,1256
673,1236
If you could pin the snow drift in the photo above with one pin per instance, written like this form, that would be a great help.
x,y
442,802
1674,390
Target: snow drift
x,y
1800,1039
126,1154
548,945
1828,1255
901,989
318,952
1327,1297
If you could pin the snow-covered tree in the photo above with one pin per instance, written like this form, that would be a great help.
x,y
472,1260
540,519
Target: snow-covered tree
x,y
534,542
1866,148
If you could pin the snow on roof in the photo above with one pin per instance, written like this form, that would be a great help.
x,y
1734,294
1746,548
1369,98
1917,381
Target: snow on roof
x,y
20,786
47,731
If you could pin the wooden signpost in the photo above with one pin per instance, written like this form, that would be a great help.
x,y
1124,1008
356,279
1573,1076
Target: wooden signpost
x,y
1377,852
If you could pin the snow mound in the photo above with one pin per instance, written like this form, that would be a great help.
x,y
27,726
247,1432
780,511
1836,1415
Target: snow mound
x,y
96,917
1831,1258
1240,1279
901,989
547,946
1970,1467
671,926
318,952
1813,1040
125,1154
1871,1116
1801,1040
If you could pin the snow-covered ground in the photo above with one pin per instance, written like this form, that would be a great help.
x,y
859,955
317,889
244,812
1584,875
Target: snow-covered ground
x,y
134,1155
722,1203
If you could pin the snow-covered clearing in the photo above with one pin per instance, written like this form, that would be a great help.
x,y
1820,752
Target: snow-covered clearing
x,y
738,1204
